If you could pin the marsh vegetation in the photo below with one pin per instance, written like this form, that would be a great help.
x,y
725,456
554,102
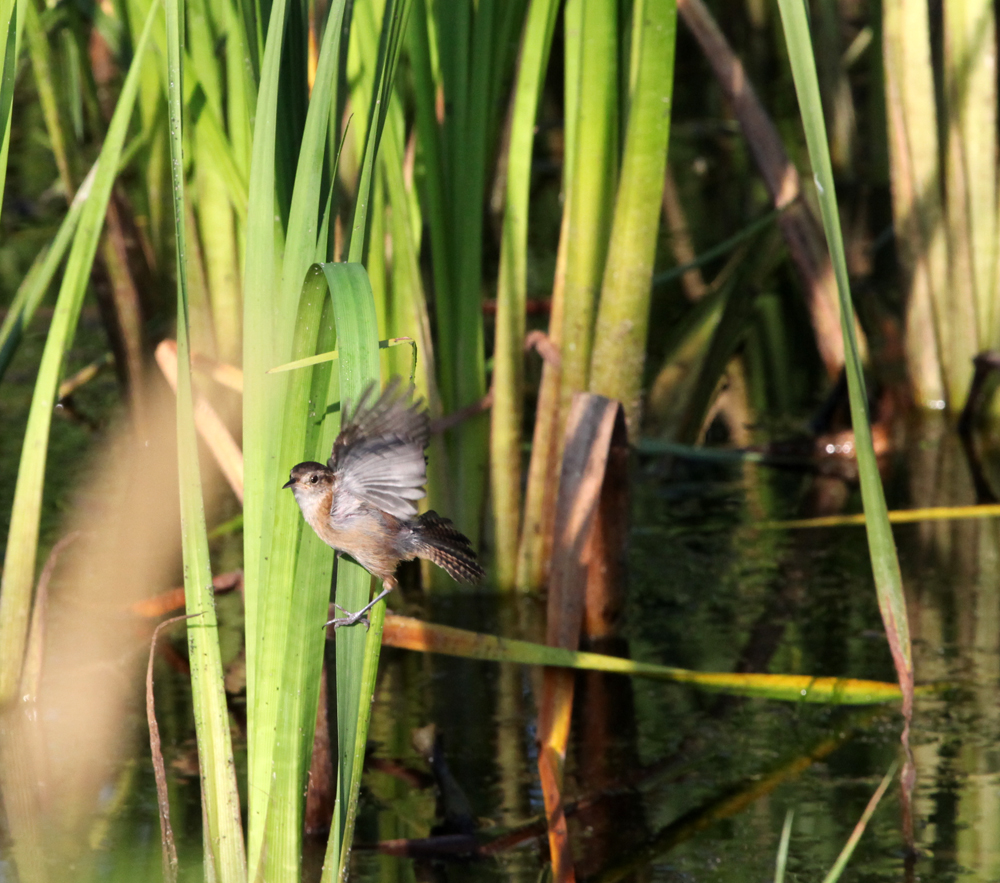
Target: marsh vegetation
x,y
675,280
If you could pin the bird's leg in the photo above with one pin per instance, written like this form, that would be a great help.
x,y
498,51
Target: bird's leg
x,y
354,618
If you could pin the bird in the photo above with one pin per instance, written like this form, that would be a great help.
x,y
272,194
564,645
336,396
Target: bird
x,y
363,501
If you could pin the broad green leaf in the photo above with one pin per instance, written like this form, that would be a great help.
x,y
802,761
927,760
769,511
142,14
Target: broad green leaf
x,y
263,398
357,648
294,576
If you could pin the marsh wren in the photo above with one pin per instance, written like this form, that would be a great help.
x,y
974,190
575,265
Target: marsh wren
x,y
363,501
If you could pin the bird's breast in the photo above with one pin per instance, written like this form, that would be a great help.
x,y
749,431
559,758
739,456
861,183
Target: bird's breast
x,y
315,508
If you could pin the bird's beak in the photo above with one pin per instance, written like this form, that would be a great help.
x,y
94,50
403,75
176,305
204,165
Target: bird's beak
x,y
288,483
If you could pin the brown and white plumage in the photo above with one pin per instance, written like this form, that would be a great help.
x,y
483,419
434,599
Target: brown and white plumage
x,y
363,501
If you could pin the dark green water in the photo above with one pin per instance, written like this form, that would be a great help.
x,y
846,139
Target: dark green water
x,y
678,784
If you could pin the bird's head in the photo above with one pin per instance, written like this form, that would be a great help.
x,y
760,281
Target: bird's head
x,y
310,479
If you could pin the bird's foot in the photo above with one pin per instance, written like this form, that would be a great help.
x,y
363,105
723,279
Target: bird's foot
x,y
350,619
360,616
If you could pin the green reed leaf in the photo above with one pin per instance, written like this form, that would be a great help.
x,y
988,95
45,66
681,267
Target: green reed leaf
x,y
224,856
881,546
22,538
357,649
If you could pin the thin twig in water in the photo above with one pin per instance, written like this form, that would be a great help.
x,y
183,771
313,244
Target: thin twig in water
x,y
32,672
159,771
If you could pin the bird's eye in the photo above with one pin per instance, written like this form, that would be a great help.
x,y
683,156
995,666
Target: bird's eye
x,y
313,479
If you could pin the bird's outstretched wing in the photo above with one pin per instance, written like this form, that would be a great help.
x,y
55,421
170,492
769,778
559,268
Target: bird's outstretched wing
x,y
379,455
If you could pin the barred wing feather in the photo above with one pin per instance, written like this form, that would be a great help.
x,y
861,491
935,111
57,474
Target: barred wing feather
x,y
379,455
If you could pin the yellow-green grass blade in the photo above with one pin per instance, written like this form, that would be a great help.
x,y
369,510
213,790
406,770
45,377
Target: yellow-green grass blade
x,y
360,73
222,152
506,416
408,310
591,192
22,538
41,65
224,858
309,361
284,718
618,358
241,85
293,107
425,637
572,63
845,854
393,24
221,188
279,564
12,16
407,313
152,112
304,214
472,73
375,258
199,44
263,399
252,16
896,516
540,491
435,189
219,247
356,649
882,548
472,42
351,755
388,186
782,859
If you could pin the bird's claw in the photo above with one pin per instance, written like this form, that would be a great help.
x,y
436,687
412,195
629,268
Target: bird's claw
x,y
350,619
355,618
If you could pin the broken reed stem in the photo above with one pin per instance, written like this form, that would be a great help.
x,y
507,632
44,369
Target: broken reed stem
x,y
170,862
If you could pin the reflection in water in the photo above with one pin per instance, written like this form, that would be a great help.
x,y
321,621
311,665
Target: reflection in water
x,y
953,578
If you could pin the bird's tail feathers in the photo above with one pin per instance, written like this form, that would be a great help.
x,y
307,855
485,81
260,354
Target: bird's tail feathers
x,y
441,542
